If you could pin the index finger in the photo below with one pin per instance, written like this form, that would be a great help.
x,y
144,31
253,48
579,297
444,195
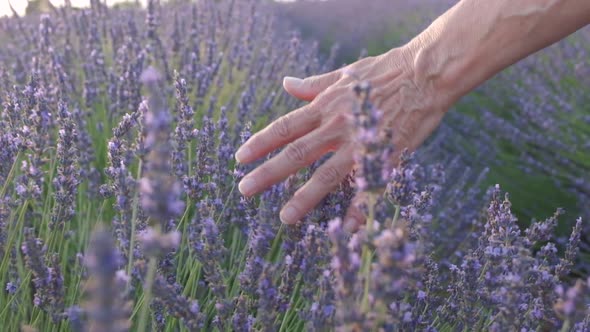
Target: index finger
x,y
282,131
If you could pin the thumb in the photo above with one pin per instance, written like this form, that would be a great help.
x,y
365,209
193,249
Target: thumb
x,y
307,89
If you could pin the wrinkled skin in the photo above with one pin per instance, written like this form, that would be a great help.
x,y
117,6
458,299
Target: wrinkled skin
x,y
409,105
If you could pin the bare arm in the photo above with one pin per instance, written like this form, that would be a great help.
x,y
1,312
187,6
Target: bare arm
x,y
414,85
476,39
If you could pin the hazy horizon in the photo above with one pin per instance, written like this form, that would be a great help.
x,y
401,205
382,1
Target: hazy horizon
x,y
21,5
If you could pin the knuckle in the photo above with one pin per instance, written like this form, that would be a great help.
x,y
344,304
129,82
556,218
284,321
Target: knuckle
x,y
340,119
329,175
297,152
264,175
312,82
282,128
331,99
310,111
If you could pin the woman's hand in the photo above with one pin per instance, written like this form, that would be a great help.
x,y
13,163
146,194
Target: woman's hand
x,y
410,105
413,86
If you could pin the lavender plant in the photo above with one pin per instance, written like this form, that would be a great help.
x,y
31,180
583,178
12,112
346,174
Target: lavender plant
x,y
119,209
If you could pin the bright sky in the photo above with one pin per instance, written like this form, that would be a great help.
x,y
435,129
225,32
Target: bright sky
x,y
20,5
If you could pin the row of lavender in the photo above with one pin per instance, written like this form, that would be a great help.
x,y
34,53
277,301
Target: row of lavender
x,y
119,208
531,125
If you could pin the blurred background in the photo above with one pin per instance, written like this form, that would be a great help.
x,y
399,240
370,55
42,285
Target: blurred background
x,y
20,6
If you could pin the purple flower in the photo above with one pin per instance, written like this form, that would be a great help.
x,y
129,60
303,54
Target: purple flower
x,y
160,192
375,152
47,278
107,307
177,305
571,250
68,172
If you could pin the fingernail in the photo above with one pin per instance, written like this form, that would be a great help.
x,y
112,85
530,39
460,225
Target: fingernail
x,y
288,215
292,81
247,186
350,225
243,154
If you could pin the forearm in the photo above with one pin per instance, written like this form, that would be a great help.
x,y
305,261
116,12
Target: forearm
x,y
476,39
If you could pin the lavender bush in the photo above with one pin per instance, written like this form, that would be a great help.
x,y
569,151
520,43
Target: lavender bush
x,y
119,208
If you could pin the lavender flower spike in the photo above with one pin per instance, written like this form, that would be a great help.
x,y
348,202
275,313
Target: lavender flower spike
x,y
376,149
160,191
107,308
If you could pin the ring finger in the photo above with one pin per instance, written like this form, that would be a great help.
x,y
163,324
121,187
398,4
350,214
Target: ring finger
x,y
325,179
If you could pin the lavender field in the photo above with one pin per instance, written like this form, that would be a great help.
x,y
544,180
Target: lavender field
x,y
119,206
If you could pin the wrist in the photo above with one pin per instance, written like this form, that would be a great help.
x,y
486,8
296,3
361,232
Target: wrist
x,y
474,40
446,71
436,83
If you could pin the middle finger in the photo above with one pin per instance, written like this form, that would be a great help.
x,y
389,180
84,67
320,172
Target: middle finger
x,y
295,156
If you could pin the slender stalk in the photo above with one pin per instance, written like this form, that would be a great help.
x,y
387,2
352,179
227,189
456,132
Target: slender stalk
x,y
132,235
226,203
288,316
367,255
395,216
566,326
13,237
10,175
147,290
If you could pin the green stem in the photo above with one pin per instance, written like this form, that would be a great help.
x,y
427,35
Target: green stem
x,y
133,222
229,196
366,254
148,286
10,175
395,216
151,274
13,237
566,326
291,310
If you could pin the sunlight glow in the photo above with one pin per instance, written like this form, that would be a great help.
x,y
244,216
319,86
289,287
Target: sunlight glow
x,y
21,5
